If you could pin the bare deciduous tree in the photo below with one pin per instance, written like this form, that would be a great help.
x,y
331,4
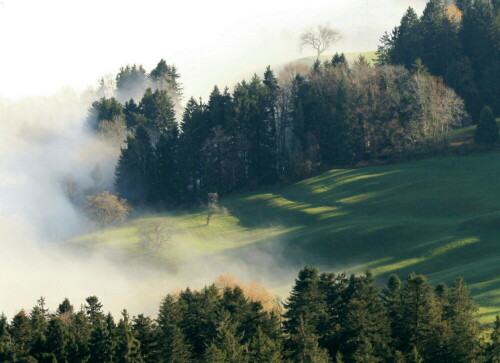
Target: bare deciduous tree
x,y
106,208
320,38
154,236
213,206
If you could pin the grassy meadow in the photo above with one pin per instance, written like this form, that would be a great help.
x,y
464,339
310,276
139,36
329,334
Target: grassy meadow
x,y
439,217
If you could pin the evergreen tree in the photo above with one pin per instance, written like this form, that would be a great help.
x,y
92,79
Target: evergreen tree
x,y
366,334
338,60
131,82
39,325
6,351
487,128
158,109
303,346
414,356
93,310
165,184
105,109
101,343
165,77
493,347
419,316
172,343
391,294
58,339
65,307
80,330
265,349
128,347
306,304
21,335
146,332
199,321
134,169
460,312
133,115
227,346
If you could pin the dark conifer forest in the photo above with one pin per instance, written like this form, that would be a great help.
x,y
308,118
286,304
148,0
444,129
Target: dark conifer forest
x,y
327,318
434,73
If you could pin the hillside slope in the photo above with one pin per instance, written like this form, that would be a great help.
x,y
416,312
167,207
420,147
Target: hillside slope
x,y
440,217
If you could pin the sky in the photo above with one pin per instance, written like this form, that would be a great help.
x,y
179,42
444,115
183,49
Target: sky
x,y
49,44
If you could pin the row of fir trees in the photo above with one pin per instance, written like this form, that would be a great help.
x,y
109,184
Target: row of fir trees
x,y
459,42
276,129
327,318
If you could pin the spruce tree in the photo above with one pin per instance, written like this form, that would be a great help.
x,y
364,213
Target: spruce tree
x,y
65,307
93,310
227,346
6,349
128,347
487,128
419,316
460,315
80,330
146,332
134,174
101,343
21,334
303,346
265,349
306,304
58,339
366,329
493,347
171,340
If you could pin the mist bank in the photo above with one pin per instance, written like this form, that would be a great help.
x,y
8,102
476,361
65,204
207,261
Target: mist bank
x,y
45,141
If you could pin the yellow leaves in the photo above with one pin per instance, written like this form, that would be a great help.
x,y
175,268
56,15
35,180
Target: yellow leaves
x,y
254,291
453,13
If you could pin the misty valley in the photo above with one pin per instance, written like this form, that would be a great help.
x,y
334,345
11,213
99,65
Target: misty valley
x,y
339,207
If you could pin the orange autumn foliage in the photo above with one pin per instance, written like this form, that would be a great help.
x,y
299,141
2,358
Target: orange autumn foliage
x,y
453,13
253,291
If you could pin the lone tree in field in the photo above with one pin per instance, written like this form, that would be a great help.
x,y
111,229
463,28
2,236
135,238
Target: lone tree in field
x,y
105,208
154,236
487,129
320,38
213,206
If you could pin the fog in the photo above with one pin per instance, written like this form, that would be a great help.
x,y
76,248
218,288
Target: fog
x,y
44,141
47,45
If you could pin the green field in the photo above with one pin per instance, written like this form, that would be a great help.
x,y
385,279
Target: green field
x,y
439,216
370,56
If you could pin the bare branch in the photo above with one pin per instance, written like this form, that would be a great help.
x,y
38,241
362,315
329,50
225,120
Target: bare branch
x,y
320,38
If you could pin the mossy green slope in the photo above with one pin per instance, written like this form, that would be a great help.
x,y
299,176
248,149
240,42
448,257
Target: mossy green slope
x,y
440,217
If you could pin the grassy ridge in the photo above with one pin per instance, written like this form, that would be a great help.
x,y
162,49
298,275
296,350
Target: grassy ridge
x,y
370,56
440,217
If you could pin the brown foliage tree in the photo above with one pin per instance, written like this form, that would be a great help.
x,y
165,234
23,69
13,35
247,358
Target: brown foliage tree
x,y
105,208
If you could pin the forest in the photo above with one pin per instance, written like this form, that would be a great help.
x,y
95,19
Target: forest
x,y
327,318
434,73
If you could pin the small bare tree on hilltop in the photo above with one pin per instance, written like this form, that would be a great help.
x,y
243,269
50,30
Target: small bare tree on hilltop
x,y
105,208
320,38
154,236
213,206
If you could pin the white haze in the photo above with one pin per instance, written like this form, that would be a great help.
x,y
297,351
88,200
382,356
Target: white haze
x,y
43,142
48,44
